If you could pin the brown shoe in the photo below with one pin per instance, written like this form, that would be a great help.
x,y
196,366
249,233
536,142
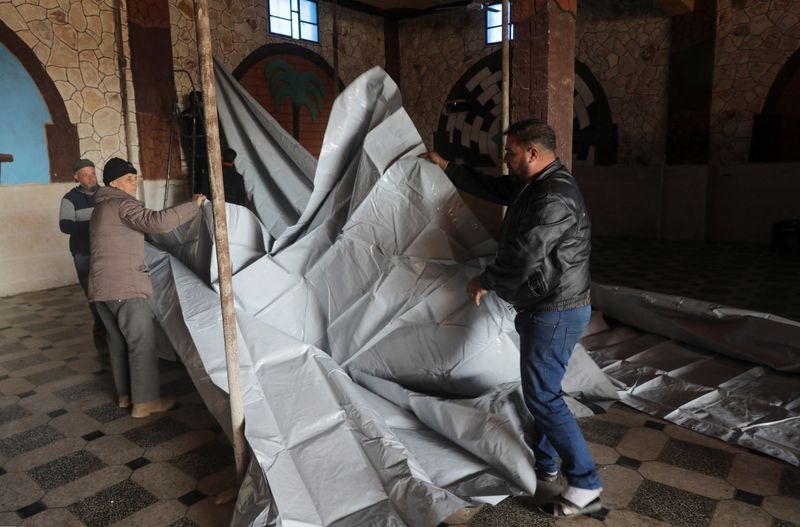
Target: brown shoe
x,y
124,401
141,410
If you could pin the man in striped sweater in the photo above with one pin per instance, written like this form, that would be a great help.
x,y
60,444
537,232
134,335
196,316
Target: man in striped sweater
x,y
76,209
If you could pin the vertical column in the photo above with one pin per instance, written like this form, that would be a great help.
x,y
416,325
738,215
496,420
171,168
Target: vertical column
x,y
691,75
543,66
391,42
154,85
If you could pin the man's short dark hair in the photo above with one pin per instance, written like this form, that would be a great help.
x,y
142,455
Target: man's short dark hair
x,y
532,131
228,155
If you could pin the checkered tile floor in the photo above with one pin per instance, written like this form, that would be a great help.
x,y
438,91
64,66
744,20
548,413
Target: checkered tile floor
x,y
69,456
656,473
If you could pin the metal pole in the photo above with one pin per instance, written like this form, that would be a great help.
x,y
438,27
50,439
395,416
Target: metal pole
x,y
335,48
221,233
506,80
169,151
122,64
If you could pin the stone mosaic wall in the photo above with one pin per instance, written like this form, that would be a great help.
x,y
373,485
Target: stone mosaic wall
x,y
627,50
75,41
435,51
755,38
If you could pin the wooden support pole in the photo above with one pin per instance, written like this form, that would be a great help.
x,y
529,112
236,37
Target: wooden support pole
x,y
221,234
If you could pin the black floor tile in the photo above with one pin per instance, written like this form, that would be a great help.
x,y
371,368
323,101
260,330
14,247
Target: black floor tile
x,y
65,469
655,425
91,436
600,515
191,497
155,433
137,463
32,509
23,395
56,413
29,440
748,497
112,504
630,463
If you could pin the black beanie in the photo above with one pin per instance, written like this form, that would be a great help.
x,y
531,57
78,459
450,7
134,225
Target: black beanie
x,y
116,168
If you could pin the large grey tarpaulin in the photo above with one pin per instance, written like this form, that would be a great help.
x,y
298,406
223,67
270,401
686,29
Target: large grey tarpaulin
x,y
374,392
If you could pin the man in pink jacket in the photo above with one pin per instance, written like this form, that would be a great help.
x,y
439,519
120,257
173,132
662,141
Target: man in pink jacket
x,y
119,283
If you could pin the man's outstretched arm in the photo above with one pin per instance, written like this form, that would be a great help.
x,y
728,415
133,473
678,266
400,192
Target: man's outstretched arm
x,y
501,190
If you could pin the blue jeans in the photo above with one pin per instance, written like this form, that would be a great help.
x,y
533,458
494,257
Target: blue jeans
x,y
546,343
82,270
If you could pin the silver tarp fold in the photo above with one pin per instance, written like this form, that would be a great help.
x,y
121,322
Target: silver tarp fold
x,y
374,392
725,372
369,380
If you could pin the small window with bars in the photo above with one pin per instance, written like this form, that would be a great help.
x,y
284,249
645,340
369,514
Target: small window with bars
x,y
494,23
294,18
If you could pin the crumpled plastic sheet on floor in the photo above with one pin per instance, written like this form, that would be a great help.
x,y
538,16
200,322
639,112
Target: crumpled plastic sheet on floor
x,y
374,392
725,372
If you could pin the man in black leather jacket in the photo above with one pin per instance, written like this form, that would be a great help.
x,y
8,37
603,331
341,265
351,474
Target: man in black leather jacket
x,y
542,269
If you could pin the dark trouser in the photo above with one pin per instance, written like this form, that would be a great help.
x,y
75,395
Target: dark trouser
x,y
546,343
82,269
131,328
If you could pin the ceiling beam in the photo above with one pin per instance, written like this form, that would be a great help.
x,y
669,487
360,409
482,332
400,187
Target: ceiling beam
x,y
677,7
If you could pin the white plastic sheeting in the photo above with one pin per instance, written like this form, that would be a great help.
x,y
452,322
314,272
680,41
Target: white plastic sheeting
x,y
374,392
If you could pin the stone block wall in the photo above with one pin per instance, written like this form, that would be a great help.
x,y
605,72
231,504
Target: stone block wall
x,y
75,42
627,50
755,38
435,51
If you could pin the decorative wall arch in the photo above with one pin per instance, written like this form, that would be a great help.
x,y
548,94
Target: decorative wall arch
x,y
295,85
776,130
469,125
62,136
594,135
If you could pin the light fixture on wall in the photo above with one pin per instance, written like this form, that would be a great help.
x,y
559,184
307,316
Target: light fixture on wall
x,y
475,6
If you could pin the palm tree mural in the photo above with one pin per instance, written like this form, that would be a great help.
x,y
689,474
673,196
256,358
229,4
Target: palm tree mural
x,y
303,88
